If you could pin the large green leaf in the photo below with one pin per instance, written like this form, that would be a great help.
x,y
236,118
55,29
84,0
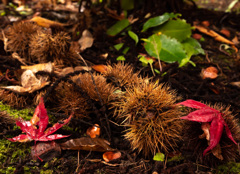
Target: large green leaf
x,y
118,27
172,50
177,29
158,20
192,47
153,45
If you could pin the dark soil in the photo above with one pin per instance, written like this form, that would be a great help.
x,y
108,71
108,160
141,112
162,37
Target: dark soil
x,y
186,81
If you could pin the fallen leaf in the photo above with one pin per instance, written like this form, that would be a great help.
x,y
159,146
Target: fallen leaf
x,y
39,133
86,41
210,72
88,144
197,36
100,68
225,32
207,114
46,67
235,84
45,22
215,35
109,156
205,23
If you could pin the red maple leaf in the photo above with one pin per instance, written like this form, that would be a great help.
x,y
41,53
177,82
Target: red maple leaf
x,y
204,114
40,120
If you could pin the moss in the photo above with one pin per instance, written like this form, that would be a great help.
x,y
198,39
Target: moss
x,y
10,153
26,114
230,167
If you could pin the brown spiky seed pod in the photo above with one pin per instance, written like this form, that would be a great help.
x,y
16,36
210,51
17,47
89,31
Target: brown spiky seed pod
x,y
122,75
195,145
19,35
45,47
105,90
149,110
69,99
13,99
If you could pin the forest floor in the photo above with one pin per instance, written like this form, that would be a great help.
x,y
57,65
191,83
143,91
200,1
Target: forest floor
x,y
97,49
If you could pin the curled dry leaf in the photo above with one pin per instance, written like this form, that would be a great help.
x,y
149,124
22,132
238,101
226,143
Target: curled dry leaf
x,y
86,40
45,22
93,131
88,144
210,72
46,67
215,35
207,114
235,84
109,156
100,68
29,82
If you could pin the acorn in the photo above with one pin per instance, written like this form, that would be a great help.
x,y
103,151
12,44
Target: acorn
x,y
18,37
195,144
149,111
122,75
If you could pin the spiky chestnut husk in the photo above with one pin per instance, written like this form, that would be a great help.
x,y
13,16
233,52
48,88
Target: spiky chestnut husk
x,y
122,75
13,99
55,48
69,99
20,101
195,146
6,121
149,110
19,36
106,90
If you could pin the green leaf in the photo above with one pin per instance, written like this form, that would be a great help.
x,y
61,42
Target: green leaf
x,y
159,157
125,50
153,45
172,50
118,27
118,46
144,60
177,29
192,47
133,36
156,21
120,58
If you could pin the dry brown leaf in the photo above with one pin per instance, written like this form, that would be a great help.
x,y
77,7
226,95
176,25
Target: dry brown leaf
x,y
46,22
217,152
108,156
46,67
215,35
88,144
206,134
235,84
210,72
86,41
100,68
